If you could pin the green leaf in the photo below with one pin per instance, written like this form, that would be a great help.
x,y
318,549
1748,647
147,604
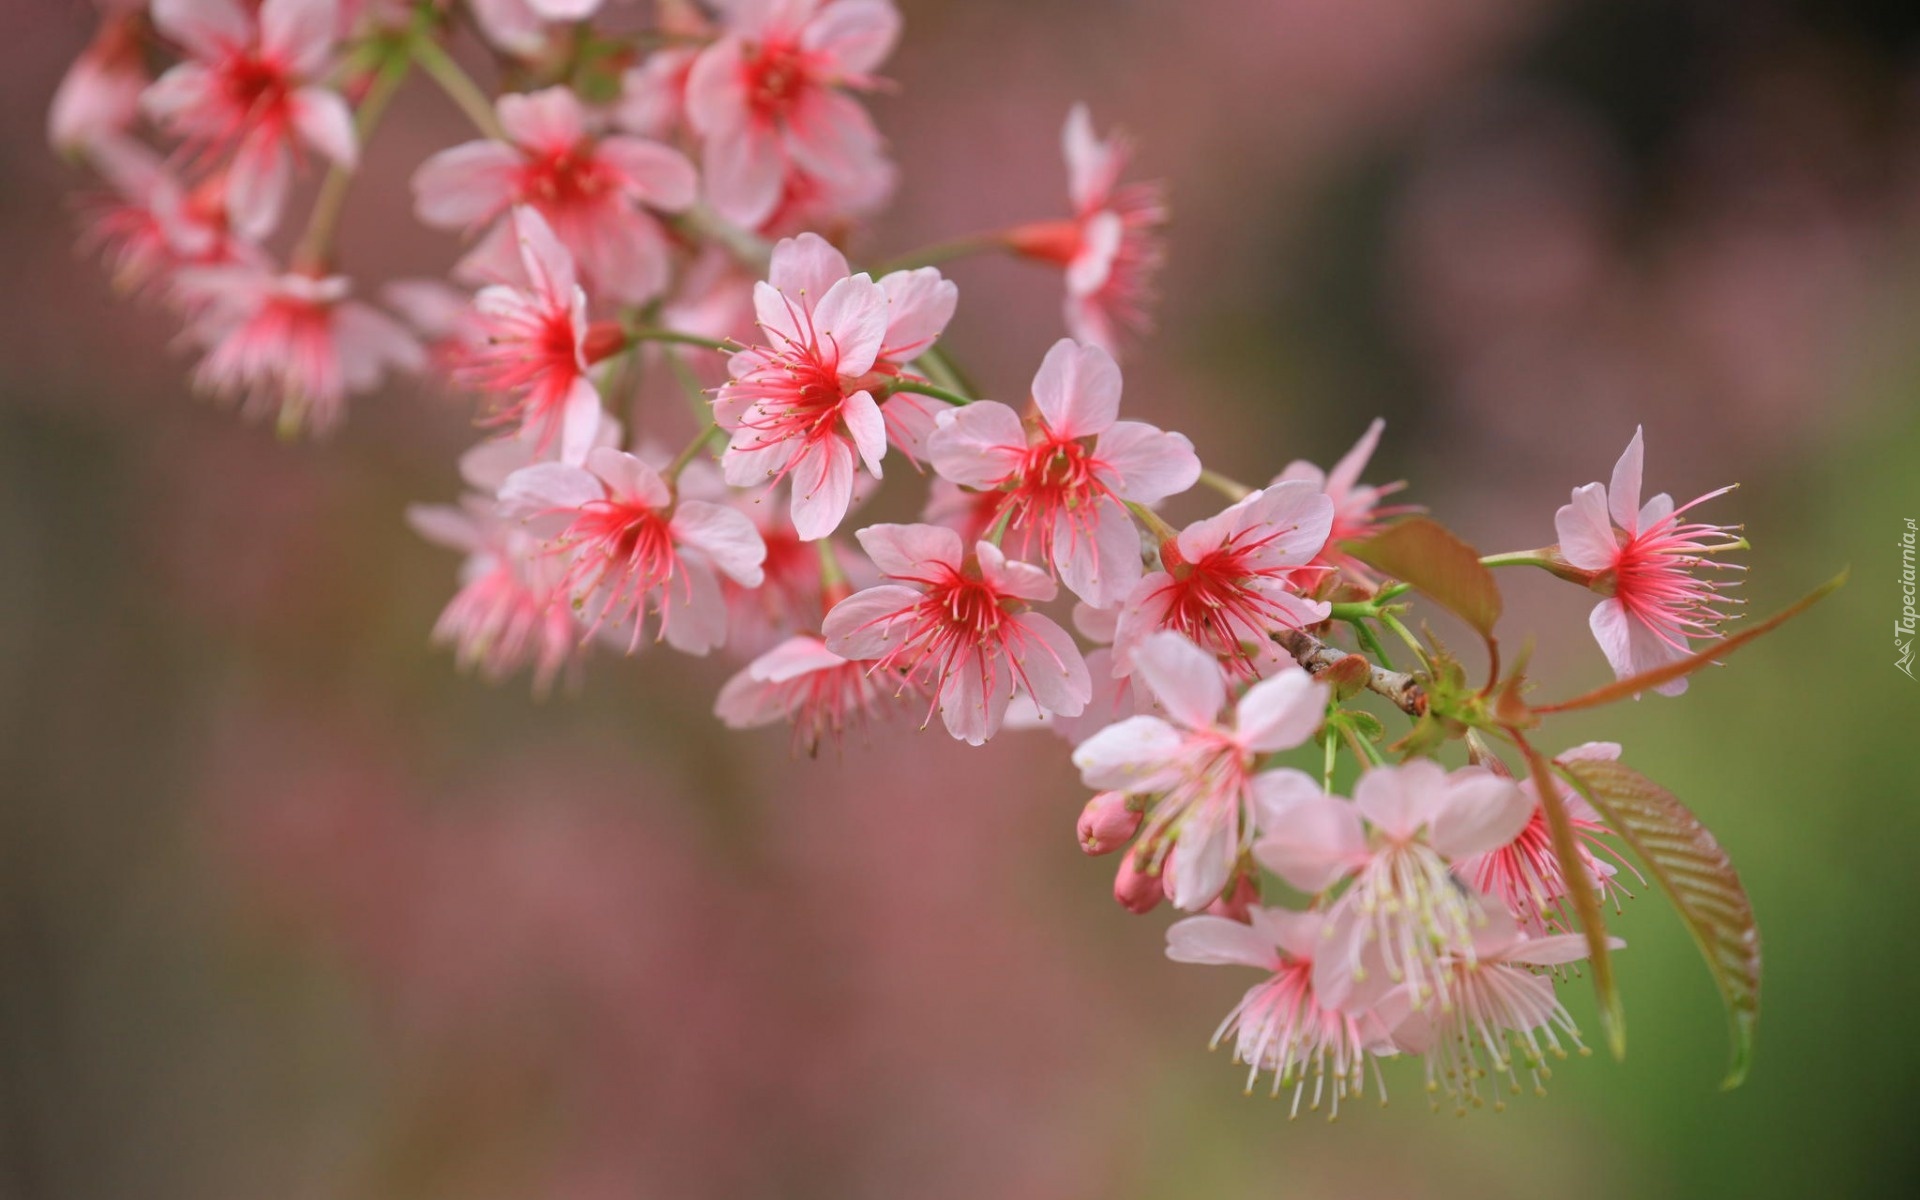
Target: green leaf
x,y
1586,904
1424,553
1633,685
1697,876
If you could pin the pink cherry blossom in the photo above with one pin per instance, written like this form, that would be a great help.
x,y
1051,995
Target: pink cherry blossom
x,y
150,227
290,344
99,97
802,404
598,193
1110,248
1357,511
1501,1014
1525,874
770,98
1280,1026
1201,770
250,87
653,95
627,548
962,621
802,682
1647,562
532,353
1229,582
510,25
1065,477
1395,840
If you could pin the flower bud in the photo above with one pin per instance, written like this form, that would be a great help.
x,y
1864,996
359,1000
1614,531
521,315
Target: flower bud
x,y
1137,891
1106,823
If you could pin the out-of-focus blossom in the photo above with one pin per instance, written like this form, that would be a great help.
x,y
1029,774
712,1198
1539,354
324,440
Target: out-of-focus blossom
x,y
251,87
1653,567
821,694
99,97
151,227
1110,248
291,345
770,96
1280,1026
628,548
1199,769
963,623
1405,913
1229,582
598,193
802,404
1065,478
533,351
1356,506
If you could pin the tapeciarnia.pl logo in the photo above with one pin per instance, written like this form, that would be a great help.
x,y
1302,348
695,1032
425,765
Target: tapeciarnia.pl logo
x,y
1903,625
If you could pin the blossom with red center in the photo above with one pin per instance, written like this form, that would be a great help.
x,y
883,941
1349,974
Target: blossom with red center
x,y
250,88
770,97
1110,248
1231,581
819,693
1357,513
1649,565
99,96
1525,874
533,349
1280,1026
627,548
1405,913
802,404
598,193
1502,1015
292,344
149,227
1200,770
1065,478
962,622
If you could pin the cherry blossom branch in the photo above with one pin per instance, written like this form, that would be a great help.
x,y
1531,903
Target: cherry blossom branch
x,y
1230,488
636,336
921,387
312,248
1403,690
940,252
458,85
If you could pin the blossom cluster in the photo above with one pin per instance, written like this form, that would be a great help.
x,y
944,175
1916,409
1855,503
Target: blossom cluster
x,y
681,197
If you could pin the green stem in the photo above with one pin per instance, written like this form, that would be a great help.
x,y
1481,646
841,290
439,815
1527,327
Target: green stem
x,y
1393,623
635,336
690,384
1230,488
1326,770
1162,532
831,576
1370,643
939,252
692,451
749,248
1516,558
946,372
312,249
459,86
921,387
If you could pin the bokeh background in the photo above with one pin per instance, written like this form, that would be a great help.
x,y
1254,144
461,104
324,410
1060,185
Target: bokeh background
x,y
289,908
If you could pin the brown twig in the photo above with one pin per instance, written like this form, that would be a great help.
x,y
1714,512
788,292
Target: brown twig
x,y
1316,656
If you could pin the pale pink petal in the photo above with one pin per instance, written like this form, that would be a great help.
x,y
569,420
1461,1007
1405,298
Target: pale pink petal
x,y
1656,510
657,175
1092,165
565,10
831,135
863,626
466,185
1023,581
725,535
299,32
822,488
1077,389
744,172
205,27
257,184
1185,679
1480,812
1310,840
1216,941
1280,712
1152,464
446,525
1204,854
549,265
1346,472
547,120
548,490
693,609
919,305
979,445
1553,951
580,417
1586,534
1101,569
1101,237
1051,667
971,712
852,318
629,477
854,36
1137,755
868,427
1401,799
716,96
1623,494
907,551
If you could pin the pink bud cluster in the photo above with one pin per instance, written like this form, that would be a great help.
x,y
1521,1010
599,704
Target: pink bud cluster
x,y
695,221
